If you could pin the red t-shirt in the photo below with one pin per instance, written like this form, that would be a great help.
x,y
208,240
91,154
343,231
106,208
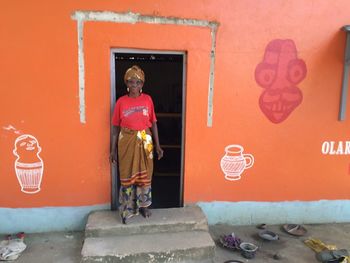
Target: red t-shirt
x,y
134,113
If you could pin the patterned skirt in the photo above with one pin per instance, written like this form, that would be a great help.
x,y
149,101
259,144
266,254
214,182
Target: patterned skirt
x,y
135,157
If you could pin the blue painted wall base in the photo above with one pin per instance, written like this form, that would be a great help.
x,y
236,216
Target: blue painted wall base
x,y
47,219
251,213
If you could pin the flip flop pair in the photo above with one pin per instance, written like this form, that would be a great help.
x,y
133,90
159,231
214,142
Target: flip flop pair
x,y
294,229
332,256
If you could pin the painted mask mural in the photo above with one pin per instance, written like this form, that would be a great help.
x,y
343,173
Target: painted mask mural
x,y
29,166
278,74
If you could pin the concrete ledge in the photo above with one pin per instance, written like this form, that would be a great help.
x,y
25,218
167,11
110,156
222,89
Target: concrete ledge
x,y
108,223
192,246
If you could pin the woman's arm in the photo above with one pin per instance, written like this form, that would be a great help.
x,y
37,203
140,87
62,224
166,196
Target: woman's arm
x,y
115,135
156,140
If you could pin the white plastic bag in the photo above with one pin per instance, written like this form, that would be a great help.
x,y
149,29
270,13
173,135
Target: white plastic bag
x,y
11,249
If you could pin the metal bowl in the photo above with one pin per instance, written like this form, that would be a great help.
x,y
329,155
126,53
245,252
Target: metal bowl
x,y
268,235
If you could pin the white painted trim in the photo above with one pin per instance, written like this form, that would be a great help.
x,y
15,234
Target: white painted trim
x,y
81,65
210,107
132,18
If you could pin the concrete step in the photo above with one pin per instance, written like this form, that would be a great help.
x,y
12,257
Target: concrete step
x,y
190,246
108,223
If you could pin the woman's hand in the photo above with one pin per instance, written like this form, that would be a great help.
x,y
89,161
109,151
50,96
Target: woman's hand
x,y
160,152
113,157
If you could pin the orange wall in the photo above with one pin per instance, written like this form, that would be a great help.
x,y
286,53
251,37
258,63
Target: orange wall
x,y
39,96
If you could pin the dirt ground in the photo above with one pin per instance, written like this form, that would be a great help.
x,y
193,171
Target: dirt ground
x,y
65,247
290,249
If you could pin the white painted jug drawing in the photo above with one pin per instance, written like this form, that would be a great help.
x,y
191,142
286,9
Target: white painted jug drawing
x,y
235,162
29,166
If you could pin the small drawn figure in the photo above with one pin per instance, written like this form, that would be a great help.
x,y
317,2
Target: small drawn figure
x,y
235,162
11,128
29,166
279,73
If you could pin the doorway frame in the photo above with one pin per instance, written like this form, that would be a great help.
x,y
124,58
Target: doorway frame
x,y
114,170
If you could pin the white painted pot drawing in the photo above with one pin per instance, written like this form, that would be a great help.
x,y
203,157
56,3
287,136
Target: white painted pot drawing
x,y
235,162
29,166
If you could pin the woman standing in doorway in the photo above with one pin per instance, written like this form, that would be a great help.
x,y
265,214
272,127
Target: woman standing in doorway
x,y
134,125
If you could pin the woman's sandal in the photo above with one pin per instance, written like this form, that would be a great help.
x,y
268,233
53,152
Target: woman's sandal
x,y
123,219
145,212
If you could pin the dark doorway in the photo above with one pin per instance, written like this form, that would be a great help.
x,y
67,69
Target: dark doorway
x,y
164,82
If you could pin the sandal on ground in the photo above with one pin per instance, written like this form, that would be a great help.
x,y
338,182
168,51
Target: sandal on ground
x,y
332,255
123,219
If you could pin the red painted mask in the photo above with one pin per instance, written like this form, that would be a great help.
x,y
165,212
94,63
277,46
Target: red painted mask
x,y
279,73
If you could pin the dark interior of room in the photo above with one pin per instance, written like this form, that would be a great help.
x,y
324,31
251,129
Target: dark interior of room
x,y
164,83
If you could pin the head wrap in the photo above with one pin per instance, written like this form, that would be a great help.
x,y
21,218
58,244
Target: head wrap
x,y
134,72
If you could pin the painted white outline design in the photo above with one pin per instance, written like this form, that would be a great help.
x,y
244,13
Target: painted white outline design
x,y
234,162
132,18
29,174
11,128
